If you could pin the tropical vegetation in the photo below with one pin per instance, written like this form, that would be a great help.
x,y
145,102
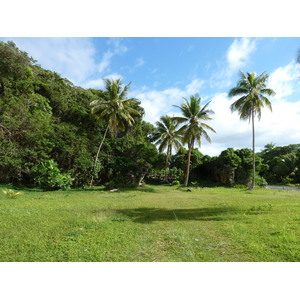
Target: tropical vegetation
x,y
55,135
167,137
193,128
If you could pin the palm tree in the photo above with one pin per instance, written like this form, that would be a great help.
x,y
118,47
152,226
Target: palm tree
x,y
287,165
167,137
253,91
117,111
193,127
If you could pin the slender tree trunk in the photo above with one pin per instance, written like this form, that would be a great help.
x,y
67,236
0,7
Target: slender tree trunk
x,y
96,159
167,160
2,89
188,164
253,150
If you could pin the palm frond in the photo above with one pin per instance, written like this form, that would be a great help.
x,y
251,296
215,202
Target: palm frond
x,y
253,89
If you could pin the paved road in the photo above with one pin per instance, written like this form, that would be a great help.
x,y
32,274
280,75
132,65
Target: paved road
x,y
283,187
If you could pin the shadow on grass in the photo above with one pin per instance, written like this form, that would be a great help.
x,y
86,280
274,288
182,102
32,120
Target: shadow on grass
x,y
149,215
78,189
88,189
139,189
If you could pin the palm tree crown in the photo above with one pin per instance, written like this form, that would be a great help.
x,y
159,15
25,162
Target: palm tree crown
x,y
253,91
117,111
193,116
167,135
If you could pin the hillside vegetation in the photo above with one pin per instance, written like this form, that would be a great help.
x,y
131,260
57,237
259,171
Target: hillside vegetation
x,y
50,136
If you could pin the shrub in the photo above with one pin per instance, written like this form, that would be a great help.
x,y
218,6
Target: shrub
x,y
260,181
240,186
287,180
49,177
176,182
11,193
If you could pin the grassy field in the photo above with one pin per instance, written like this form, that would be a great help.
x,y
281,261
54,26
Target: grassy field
x,y
153,223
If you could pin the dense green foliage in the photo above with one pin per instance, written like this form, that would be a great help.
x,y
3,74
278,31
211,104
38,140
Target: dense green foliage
x,y
49,176
50,137
283,163
45,117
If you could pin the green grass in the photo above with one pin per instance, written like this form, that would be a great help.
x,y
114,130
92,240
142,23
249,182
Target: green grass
x,y
153,223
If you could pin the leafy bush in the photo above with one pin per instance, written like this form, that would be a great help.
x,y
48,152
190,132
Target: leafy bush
x,y
177,174
50,177
176,182
287,180
260,181
297,185
240,186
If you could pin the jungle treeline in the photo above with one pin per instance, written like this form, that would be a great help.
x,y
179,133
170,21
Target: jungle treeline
x,y
49,137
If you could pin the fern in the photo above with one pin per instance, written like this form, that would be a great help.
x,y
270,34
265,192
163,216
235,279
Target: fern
x,y
11,193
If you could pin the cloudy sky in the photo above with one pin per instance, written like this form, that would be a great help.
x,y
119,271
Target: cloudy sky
x,y
164,70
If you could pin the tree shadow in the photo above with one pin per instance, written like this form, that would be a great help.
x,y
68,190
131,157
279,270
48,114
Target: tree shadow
x,y
139,189
149,215
89,189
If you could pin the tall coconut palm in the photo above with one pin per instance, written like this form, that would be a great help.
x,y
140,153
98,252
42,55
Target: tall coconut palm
x,y
117,111
194,128
167,137
253,91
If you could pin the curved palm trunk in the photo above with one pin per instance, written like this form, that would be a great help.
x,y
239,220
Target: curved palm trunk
x,y
99,148
253,151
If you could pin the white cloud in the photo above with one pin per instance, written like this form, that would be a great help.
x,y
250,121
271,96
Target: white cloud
x,y
94,84
194,86
117,45
73,58
239,52
116,48
99,83
105,61
113,76
282,80
237,57
158,103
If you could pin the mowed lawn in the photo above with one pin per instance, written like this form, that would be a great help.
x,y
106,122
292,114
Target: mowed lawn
x,y
153,223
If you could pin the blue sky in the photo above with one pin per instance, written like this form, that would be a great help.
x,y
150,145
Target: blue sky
x,y
163,70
